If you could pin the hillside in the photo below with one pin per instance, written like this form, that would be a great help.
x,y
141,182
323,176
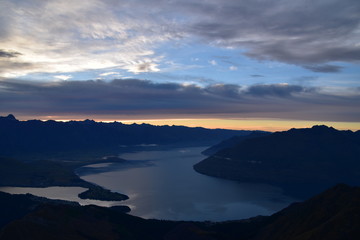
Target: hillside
x,y
48,173
302,161
333,214
233,141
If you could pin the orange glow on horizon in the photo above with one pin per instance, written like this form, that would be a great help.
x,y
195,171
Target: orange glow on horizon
x,y
271,125
264,124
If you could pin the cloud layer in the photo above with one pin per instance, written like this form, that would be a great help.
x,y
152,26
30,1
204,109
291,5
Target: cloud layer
x,y
74,35
139,98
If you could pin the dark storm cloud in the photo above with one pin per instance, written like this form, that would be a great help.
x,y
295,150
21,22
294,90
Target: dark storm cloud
x,y
139,97
225,90
8,54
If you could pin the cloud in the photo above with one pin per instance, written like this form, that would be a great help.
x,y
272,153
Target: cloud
x,y
63,77
15,68
233,68
8,54
109,73
324,68
213,62
141,66
133,97
228,91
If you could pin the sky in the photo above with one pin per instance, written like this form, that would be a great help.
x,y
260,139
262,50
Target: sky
x,y
240,64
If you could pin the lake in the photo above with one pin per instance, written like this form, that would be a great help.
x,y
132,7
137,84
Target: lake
x,y
163,185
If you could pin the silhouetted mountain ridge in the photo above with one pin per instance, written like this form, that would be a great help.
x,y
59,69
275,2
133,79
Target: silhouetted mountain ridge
x,y
301,160
35,136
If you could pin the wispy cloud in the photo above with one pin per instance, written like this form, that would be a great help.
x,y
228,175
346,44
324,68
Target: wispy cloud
x,y
109,74
233,68
71,35
213,62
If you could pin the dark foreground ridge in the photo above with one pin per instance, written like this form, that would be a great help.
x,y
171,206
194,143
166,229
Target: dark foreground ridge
x,y
333,214
301,161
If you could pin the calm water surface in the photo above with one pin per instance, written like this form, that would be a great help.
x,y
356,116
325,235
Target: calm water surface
x,y
59,193
163,185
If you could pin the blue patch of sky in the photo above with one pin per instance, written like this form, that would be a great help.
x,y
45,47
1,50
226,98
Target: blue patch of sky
x,y
205,64
210,64
348,77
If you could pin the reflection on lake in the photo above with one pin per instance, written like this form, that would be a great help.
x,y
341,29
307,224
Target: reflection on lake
x,y
163,185
59,193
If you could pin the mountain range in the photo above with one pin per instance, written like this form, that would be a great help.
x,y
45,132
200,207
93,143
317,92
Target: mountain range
x,y
25,139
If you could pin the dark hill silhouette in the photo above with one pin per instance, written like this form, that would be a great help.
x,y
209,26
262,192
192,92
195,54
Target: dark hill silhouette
x,y
40,137
334,214
37,174
302,161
